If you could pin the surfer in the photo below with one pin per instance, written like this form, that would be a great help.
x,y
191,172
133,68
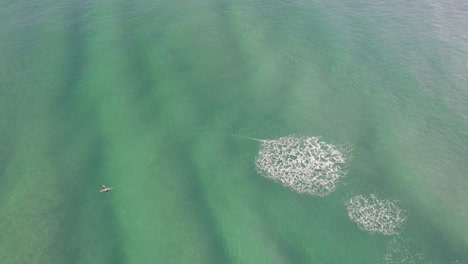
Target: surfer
x,y
105,189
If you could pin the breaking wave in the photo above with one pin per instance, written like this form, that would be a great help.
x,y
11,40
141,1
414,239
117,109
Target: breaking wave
x,y
374,215
304,164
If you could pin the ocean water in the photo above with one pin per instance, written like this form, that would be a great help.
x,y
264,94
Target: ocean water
x,y
174,104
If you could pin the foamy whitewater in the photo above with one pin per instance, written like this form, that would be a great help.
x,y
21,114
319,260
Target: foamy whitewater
x,y
304,164
374,215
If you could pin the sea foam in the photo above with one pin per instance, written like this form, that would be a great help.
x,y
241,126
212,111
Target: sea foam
x,y
374,215
304,164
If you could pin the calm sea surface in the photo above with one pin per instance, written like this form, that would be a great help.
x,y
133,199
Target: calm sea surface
x,y
154,98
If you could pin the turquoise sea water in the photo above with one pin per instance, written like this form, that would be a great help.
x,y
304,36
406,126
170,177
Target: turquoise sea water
x,y
145,95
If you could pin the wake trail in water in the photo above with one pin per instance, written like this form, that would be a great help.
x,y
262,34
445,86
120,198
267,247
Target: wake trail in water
x,y
235,136
304,164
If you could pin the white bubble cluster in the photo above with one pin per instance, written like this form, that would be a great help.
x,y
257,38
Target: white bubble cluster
x,y
307,165
374,215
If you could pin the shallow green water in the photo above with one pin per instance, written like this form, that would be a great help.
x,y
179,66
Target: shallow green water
x,y
144,95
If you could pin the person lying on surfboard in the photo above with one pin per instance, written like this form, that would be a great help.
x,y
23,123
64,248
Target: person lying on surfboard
x,y
105,189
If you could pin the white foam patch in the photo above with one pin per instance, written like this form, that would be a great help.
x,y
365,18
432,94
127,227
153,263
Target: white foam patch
x,y
305,164
374,215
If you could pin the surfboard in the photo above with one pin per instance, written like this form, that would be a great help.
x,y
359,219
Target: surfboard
x,y
104,190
